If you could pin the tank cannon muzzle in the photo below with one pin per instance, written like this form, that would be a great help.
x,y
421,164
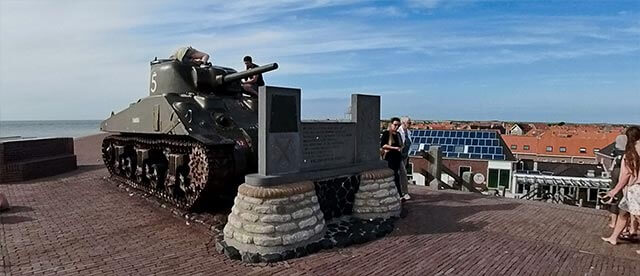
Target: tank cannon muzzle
x,y
244,74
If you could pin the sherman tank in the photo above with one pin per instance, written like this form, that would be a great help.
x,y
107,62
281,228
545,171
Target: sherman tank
x,y
192,140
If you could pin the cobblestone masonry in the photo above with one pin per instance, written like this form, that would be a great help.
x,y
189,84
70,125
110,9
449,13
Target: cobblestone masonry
x,y
272,220
377,196
336,196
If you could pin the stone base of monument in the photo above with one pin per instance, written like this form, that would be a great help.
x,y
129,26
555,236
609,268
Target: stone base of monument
x,y
24,159
268,224
377,197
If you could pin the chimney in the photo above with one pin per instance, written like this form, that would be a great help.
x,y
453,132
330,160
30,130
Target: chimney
x,y
591,173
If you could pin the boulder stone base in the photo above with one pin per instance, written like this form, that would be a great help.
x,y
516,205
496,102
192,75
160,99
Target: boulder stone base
x,y
340,233
377,196
267,221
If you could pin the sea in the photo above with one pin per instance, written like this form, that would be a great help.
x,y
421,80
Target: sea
x,y
49,128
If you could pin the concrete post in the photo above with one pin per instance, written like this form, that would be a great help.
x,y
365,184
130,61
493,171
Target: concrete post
x,y
435,167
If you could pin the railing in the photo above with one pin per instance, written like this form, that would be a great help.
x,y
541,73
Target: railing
x,y
436,168
547,195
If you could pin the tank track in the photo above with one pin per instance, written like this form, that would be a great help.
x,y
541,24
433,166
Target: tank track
x,y
181,171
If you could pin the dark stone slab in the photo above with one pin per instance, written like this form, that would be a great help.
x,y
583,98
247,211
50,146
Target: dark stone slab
x,y
232,253
271,258
26,159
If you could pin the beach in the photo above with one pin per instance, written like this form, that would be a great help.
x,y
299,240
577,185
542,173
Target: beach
x,y
88,149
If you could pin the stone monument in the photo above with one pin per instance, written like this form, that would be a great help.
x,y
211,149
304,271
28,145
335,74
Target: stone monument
x,y
309,174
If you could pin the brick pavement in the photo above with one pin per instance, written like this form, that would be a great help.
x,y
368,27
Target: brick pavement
x,y
82,224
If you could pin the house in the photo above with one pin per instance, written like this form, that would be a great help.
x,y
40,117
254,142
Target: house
x,y
574,184
560,145
478,151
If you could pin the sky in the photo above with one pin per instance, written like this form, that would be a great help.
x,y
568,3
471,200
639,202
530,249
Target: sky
x,y
571,61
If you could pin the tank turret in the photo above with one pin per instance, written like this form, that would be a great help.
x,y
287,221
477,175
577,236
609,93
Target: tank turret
x,y
192,140
171,76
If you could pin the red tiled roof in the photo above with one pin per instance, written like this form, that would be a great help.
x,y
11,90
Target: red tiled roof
x,y
569,140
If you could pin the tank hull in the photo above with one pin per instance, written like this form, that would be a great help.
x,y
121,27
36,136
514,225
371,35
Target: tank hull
x,y
193,139
189,150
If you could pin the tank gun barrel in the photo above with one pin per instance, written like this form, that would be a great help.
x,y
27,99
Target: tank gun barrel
x,y
247,73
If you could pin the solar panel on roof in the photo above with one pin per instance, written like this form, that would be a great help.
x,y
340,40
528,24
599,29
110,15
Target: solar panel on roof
x,y
477,144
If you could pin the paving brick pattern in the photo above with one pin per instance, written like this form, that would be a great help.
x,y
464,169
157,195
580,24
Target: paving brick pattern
x,y
82,224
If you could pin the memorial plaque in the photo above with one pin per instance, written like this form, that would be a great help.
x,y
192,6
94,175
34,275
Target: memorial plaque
x,y
326,145
279,139
284,114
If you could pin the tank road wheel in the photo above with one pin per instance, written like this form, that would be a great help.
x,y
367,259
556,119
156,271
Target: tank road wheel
x,y
108,153
157,174
141,173
129,166
189,191
171,187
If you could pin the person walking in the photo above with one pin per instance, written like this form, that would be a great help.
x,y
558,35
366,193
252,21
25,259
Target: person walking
x,y
406,143
617,153
391,147
629,176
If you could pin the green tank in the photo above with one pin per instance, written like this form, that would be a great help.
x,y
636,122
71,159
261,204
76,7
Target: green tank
x,y
192,140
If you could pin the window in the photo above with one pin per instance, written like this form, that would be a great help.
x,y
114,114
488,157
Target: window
x,y
596,150
463,169
499,178
514,147
583,150
525,147
549,148
563,149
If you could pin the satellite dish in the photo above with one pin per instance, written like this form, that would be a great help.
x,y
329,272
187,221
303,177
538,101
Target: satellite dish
x,y
478,178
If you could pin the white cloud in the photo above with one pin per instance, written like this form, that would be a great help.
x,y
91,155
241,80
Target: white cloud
x,y
388,11
428,4
70,53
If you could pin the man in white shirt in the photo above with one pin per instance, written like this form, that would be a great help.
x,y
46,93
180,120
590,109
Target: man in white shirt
x,y
406,143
